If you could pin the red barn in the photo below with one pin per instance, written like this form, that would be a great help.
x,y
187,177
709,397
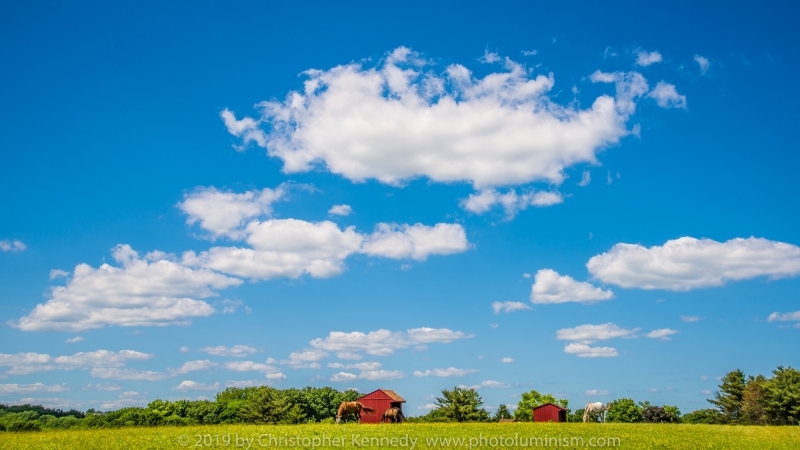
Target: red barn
x,y
380,401
549,412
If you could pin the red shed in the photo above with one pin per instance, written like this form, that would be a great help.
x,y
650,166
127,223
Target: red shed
x,y
549,412
380,401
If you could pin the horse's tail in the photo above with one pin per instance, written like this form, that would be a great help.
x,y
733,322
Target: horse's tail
x,y
401,415
367,409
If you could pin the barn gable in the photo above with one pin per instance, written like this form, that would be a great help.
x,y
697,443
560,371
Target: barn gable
x,y
549,412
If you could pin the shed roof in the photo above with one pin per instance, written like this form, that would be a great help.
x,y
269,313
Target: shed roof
x,y
552,404
393,395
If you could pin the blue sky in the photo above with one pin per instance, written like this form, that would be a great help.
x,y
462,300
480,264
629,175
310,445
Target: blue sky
x,y
397,195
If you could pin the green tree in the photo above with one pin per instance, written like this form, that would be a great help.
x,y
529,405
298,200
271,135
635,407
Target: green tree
x,y
754,399
728,399
705,416
461,405
783,397
502,413
624,410
267,405
577,416
531,399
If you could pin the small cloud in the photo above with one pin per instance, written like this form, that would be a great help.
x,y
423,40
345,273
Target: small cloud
x,y
489,57
689,319
348,356
705,392
703,62
494,384
645,59
12,246
508,307
444,373
340,210
58,273
526,275
189,385
427,407
494,325
596,393
405,267
507,360
662,334
703,377
184,349
74,340
586,178
237,351
229,306
609,179
667,96
529,52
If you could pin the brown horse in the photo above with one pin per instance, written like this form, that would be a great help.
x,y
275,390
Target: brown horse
x,y
394,415
352,408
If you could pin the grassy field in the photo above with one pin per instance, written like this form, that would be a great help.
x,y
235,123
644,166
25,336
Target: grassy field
x,y
416,436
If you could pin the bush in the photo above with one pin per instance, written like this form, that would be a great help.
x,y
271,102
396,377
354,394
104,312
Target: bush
x,y
705,416
624,410
657,414
25,426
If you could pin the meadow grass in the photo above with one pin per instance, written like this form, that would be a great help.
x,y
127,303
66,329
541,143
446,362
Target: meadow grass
x,y
421,436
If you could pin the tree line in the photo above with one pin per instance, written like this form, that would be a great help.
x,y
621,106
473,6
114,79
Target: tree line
x,y
743,400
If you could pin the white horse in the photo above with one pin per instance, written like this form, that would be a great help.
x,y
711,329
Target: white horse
x,y
592,409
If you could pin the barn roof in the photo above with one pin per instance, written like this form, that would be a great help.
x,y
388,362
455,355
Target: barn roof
x,y
551,404
393,395
388,393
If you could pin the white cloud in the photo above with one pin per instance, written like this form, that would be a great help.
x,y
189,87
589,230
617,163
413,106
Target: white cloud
x,y
508,307
784,317
127,374
26,363
666,96
381,375
249,366
306,359
444,373
690,319
384,342
415,241
688,263
189,385
427,407
596,393
586,178
507,360
343,377
705,392
149,291
372,365
244,383
74,340
586,334
224,213
58,273
103,387
703,62
494,384
348,356
8,389
512,203
236,351
184,349
585,351
630,87
191,366
400,120
550,287
529,52
644,58
526,275
7,245
662,333
291,247
340,210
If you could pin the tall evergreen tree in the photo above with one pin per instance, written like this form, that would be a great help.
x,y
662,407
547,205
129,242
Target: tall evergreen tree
x,y
502,413
783,397
754,401
729,397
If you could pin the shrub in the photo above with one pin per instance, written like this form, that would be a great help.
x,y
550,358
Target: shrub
x,y
624,410
25,426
